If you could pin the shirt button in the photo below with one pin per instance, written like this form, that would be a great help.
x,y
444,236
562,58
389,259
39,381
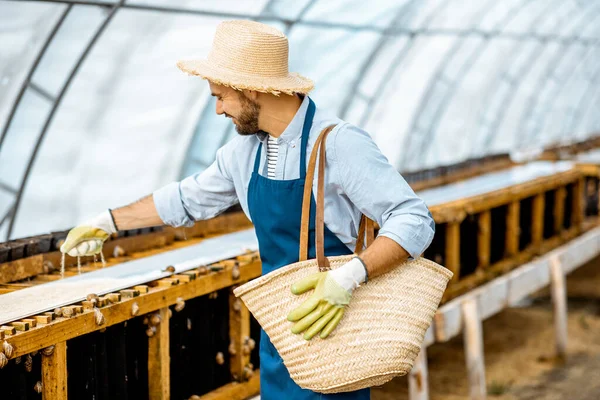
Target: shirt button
x,y
293,145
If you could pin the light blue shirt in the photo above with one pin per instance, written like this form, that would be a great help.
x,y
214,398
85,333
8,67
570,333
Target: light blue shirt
x,y
358,179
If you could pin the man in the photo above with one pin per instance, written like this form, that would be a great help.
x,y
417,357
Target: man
x,y
264,170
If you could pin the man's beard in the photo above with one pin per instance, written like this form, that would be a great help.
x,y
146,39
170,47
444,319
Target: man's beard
x,y
247,121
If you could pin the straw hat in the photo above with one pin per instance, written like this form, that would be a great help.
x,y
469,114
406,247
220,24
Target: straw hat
x,y
249,55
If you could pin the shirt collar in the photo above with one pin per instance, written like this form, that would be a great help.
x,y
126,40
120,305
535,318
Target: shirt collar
x,y
294,129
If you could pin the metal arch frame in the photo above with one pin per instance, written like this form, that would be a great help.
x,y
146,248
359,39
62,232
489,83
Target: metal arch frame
x,y
590,94
27,81
449,93
550,105
589,115
592,80
115,6
369,59
396,62
534,118
515,83
543,80
58,100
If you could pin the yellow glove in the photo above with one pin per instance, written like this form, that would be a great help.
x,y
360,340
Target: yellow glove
x,y
87,239
324,309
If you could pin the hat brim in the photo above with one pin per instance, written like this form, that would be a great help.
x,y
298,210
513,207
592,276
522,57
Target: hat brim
x,y
293,83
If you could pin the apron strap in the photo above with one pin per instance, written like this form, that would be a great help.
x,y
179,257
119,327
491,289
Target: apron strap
x,y
308,120
366,224
257,158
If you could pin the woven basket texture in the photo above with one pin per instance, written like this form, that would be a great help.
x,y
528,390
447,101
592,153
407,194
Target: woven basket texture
x,y
378,338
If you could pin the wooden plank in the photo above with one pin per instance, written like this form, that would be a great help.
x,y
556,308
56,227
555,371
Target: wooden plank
x,y
80,324
234,391
453,249
577,216
445,212
229,222
527,279
239,336
559,208
537,220
511,287
473,341
513,230
21,269
31,266
559,301
54,373
418,382
484,239
159,360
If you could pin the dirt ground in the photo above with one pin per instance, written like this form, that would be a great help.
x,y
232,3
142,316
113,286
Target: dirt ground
x,y
519,352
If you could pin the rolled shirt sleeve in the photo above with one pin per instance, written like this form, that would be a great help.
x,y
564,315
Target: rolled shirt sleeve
x,y
374,186
197,197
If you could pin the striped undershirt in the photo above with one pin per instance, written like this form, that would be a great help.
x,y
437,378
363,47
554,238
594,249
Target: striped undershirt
x,y
272,153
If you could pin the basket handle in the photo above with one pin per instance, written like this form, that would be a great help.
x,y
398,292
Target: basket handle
x,y
366,224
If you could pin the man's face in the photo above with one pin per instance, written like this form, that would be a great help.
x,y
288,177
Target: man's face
x,y
242,110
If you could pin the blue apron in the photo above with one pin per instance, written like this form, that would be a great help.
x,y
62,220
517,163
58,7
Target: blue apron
x,y
276,208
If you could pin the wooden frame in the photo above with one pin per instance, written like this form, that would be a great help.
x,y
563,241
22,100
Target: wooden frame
x,y
454,213
465,314
51,331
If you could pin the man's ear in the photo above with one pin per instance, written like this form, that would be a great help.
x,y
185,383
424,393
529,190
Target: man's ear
x,y
251,94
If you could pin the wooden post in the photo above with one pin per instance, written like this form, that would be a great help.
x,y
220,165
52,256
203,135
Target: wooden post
x,y
484,238
418,385
559,209
559,301
473,342
578,201
241,344
159,359
453,249
54,372
513,229
537,220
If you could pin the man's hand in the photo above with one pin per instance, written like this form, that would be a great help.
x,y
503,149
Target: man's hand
x,y
324,309
87,238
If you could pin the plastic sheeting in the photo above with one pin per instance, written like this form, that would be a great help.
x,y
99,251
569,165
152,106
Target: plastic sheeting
x,y
48,296
493,181
434,82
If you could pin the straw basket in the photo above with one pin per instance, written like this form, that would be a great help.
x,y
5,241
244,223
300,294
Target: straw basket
x,y
383,328
379,337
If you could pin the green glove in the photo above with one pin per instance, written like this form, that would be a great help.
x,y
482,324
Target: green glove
x,y
323,310
87,239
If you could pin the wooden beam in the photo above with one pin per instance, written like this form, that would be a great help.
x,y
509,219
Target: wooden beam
x,y
234,390
159,360
418,385
159,297
513,229
453,249
241,344
473,341
559,208
446,212
21,269
512,287
54,372
537,220
559,301
484,238
577,216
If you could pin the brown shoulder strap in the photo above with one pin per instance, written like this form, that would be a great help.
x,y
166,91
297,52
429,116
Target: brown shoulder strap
x,y
366,224
322,261
310,176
